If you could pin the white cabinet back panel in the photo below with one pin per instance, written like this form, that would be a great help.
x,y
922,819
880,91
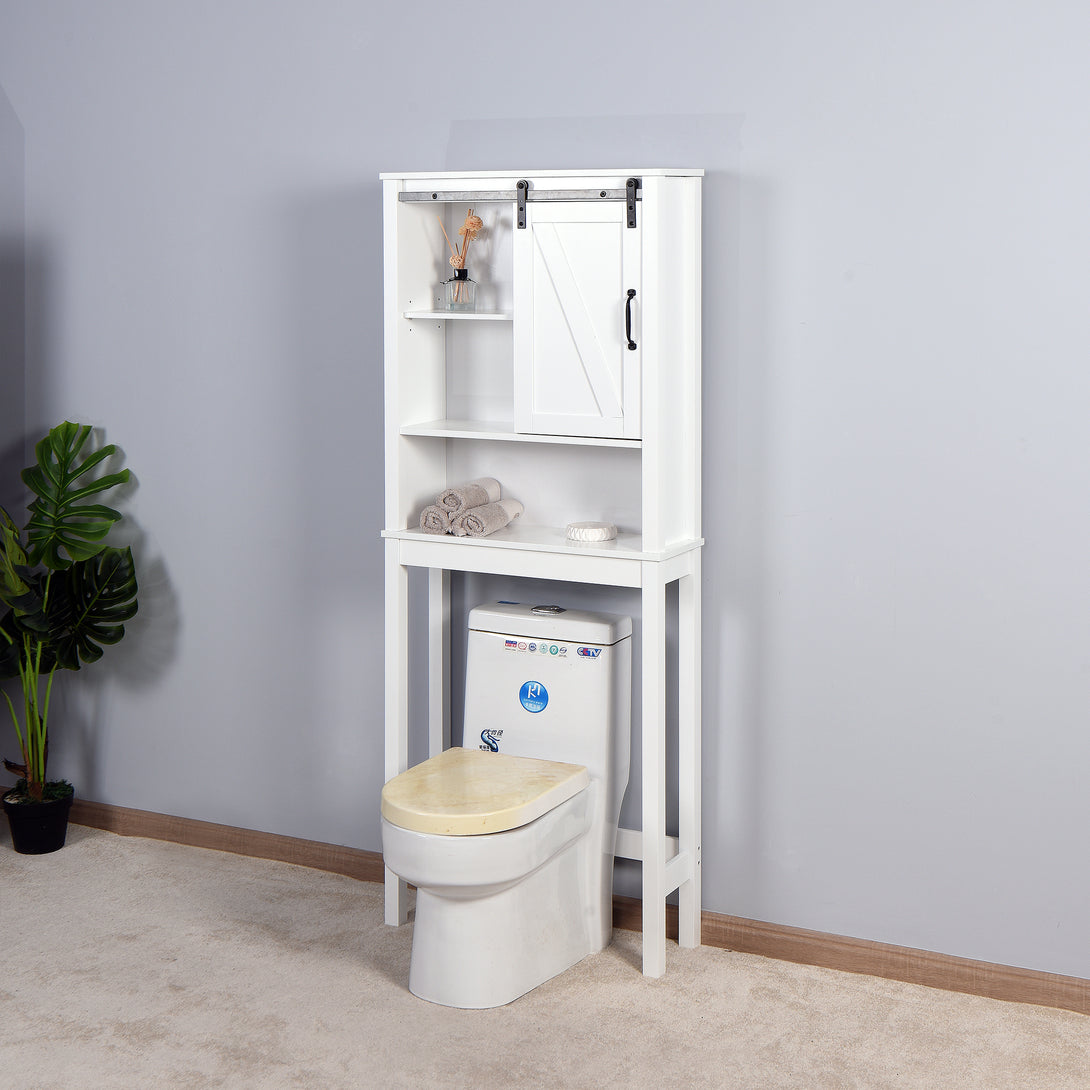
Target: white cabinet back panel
x,y
479,383
559,485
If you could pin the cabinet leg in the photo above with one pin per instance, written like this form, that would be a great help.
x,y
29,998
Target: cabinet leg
x,y
689,750
653,661
397,704
438,660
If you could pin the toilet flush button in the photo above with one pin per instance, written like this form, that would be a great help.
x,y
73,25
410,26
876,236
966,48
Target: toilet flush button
x,y
548,611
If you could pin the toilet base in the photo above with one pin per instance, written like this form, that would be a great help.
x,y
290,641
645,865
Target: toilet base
x,y
487,951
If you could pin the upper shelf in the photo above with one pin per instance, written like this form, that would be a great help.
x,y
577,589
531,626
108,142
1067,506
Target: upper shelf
x,y
463,315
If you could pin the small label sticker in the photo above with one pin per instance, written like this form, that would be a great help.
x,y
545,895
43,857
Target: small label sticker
x,y
588,652
490,740
511,645
533,696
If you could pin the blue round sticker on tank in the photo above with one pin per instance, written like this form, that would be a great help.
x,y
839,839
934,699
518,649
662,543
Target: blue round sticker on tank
x,y
534,696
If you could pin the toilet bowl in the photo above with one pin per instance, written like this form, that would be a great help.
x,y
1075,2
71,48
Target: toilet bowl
x,y
501,910
512,852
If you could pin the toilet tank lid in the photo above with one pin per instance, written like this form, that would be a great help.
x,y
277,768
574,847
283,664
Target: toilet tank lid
x,y
573,625
466,792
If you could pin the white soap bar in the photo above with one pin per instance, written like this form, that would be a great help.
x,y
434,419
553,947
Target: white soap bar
x,y
591,531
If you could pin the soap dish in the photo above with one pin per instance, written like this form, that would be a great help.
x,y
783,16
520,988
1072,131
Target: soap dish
x,y
591,531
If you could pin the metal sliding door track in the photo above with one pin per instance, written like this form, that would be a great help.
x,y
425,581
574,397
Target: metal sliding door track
x,y
524,193
478,195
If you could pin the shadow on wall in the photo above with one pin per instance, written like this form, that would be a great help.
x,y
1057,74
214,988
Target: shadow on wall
x,y
328,406
12,369
734,459
151,637
12,329
25,375
11,461
331,342
12,300
13,457
148,649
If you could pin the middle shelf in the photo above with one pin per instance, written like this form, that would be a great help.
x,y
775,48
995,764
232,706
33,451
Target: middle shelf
x,y
504,432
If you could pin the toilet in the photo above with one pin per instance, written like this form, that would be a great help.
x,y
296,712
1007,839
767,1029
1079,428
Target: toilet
x,y
509,839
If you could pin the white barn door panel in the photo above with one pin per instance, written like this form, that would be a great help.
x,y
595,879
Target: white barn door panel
x,y
575,373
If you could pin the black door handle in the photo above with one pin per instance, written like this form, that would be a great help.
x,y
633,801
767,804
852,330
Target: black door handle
x,y
628,319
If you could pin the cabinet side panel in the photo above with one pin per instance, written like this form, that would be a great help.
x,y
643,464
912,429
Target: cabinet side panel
x,y
671,386
691,418
654,410
414,355
390,332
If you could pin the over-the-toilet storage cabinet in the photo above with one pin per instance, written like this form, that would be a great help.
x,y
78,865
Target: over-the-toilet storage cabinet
x,y
576,383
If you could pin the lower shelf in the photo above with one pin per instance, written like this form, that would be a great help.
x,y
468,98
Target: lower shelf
x,y
549,539
542,553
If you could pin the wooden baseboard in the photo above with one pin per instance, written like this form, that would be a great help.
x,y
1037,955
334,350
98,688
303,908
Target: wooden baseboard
x,y
819,948
725,932
354,862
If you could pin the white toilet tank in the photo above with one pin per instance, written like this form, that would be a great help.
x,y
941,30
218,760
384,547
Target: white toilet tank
x,y
553,683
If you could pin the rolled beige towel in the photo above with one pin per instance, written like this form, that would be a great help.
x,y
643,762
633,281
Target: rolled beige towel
x,y
472,494
485,519
434,520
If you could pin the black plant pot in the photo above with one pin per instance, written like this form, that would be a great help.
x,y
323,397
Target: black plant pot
x,y
37,827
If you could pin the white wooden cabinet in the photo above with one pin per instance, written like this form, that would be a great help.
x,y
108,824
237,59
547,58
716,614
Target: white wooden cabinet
x,y
584,401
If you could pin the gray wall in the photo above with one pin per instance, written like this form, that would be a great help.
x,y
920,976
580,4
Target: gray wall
x,y
897,598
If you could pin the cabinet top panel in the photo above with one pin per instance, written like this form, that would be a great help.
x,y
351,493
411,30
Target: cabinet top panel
x,y
665,172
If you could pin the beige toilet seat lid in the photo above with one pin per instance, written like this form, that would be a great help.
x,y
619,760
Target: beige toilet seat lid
x,y
466,792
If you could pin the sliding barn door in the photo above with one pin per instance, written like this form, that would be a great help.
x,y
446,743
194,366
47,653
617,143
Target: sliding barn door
x,y
577,328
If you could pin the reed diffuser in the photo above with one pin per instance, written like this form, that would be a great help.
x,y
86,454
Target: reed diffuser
x,y
461,291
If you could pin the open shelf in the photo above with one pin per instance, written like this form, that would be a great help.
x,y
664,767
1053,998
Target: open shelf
x,y
505,433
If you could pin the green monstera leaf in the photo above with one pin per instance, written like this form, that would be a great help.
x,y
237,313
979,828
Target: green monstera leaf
x,y
12,558
11,645
88,605
20,585
62,481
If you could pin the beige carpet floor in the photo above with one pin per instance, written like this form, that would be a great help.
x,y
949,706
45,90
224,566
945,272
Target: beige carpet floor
x,y
136,964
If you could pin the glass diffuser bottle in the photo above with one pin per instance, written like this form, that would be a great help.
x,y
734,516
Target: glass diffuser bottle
x,y
461,292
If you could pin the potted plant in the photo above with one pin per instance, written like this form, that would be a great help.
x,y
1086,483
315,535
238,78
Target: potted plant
x,y
67,594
